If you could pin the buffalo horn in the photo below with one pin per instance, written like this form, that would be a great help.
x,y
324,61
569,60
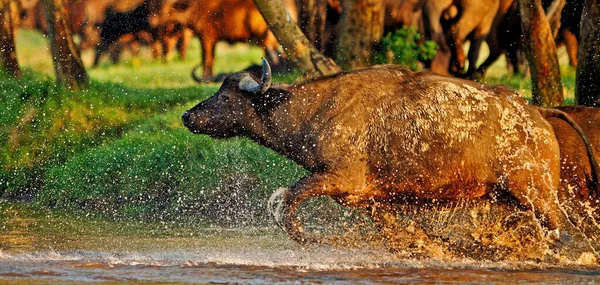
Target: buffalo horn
x,y
249,84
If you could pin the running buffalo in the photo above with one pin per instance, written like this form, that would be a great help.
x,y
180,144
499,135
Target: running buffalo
x,y
384,135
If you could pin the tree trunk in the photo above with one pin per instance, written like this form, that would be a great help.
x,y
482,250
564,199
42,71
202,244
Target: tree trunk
x,y
362,27
293,41
319,21
587,90
8,51
312,20
546,87
553,13
68,66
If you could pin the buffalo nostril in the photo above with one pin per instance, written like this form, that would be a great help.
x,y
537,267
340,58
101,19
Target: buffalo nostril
x,y
185,117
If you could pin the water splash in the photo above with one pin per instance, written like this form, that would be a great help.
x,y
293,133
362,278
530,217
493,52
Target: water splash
x,y
267,255
486,230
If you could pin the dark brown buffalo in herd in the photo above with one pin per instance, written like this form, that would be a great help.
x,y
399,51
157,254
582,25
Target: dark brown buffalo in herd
x,y
111,24
384,135
117,24
219,20
452,22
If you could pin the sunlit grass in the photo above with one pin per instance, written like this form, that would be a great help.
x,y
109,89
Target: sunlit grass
x,y
139,71
43,125
158,170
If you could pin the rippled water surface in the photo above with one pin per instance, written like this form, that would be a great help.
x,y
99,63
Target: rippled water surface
x,y
54,249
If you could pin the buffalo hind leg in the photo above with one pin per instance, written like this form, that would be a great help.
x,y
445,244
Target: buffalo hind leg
x,y
100,49
208,55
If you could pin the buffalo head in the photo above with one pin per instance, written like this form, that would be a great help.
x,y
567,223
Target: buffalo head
x,y
232,111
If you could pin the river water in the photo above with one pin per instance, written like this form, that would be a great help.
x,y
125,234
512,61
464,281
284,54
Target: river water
x,y
46,248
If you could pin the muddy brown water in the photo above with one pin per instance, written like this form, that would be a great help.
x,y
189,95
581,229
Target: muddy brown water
x,y
45,248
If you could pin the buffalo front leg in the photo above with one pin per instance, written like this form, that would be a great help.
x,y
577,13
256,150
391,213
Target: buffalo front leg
x,y
100,49
314,185
184,42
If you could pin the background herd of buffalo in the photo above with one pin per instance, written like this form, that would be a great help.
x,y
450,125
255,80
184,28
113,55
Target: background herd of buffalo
x,y
110,25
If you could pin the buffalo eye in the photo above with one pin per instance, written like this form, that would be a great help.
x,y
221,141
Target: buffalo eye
x,y
226,98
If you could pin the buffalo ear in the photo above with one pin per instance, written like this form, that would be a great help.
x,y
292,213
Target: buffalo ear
x,y
249,84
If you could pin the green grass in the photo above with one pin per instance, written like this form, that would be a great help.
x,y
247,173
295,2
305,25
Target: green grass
x,y
497,74
43,124
160,171
139,71
117,149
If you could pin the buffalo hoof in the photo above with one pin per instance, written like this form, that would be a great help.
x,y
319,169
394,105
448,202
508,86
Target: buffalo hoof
x,y
286,221
294,229
477,76
275,206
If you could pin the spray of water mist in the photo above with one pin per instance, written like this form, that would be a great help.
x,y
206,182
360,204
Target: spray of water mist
x,y
493,229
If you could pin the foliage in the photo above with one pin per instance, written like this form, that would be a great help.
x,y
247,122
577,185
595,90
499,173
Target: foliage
x,y
404,46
